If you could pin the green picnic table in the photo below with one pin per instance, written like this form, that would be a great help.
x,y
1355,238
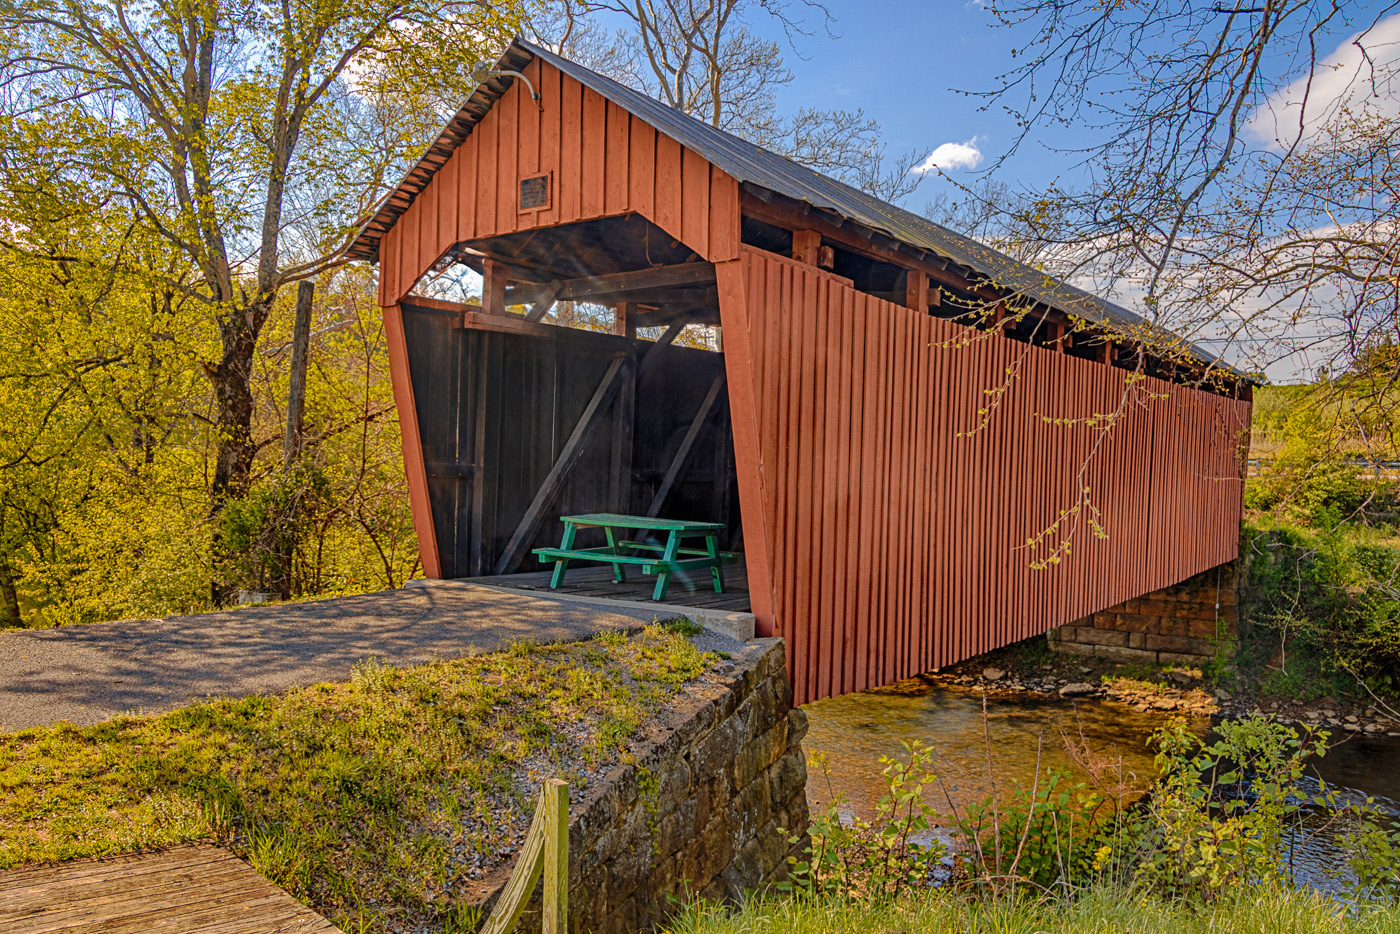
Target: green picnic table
x,y
652,558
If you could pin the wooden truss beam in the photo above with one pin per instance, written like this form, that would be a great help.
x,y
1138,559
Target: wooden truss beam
x,y
530,523
673,472
603,396
494,276
620,283
545,301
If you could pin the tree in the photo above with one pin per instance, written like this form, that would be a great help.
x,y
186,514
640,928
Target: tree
x,y
246,137
703,59
1240,180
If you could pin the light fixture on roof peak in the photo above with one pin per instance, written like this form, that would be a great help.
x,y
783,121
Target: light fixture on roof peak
x,y
483,72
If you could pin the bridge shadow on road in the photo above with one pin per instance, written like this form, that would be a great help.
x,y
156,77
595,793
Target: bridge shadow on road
x,y
86,674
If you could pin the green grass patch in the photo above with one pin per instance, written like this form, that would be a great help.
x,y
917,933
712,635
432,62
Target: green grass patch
x,y
372,799
1104,910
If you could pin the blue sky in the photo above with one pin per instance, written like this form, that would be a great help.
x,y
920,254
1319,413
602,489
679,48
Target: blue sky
x,y
903,63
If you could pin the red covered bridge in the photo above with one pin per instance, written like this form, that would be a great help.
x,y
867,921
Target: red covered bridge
x,y
896,416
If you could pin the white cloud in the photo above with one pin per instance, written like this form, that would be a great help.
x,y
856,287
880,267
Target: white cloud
x,y
1362,75
964,155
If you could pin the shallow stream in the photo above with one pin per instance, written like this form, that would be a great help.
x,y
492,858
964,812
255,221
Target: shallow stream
x,y
854,731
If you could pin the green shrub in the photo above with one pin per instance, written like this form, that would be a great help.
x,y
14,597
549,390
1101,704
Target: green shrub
x,y
1330,597
1215,822
873,860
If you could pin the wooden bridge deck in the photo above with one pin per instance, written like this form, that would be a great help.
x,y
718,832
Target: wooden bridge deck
x,y
192,889
584,580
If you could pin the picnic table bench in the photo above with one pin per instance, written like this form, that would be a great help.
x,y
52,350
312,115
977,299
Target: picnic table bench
x,y
650,557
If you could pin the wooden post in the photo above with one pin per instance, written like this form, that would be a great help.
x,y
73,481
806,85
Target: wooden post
x,y
1106,352
556,857
625,319
546,852
296,390
493,286
805,246
916,291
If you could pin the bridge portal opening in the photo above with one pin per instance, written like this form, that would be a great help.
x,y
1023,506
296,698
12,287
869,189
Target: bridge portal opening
x,y
588,377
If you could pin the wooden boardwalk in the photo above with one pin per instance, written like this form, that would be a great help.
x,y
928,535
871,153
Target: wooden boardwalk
x,y
192,889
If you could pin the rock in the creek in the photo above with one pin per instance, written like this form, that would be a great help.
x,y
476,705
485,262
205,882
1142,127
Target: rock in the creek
x,y
1078,689
1181,678
1084,669
1352,727
1351,718
993,674
1164,703
1222,694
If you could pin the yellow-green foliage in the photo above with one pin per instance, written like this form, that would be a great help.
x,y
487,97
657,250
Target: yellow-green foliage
x,y
104,480
363,797
1104,910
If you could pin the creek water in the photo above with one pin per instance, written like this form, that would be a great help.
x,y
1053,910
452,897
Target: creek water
x,y
1020,730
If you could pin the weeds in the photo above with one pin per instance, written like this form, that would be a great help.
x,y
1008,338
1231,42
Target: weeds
x,y
1217,820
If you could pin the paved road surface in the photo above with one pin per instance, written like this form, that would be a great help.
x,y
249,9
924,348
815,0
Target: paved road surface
x,y
87,674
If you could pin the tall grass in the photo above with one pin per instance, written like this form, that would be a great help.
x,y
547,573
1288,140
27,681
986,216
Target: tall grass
x,y
1095,910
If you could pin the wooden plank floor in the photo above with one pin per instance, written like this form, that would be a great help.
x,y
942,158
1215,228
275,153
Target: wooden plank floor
x,y
191,889
586,581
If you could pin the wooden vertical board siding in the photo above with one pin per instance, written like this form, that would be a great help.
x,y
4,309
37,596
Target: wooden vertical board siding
x,y
551,128
724,216
668,208
388,267
487,173
641,181
449,204
414,471
594,144
828,494
530,125
695,200
813,458
507,114
615,164
843,568
427,205
467,189
570,181
895,531
859,536
745,385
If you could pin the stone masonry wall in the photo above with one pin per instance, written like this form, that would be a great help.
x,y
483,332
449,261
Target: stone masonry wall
x,y
1188,623
700,810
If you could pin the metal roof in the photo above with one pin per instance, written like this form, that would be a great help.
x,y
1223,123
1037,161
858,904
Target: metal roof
x,y
755,166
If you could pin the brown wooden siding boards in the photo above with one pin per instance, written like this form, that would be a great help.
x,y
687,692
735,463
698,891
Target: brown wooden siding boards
x,y
895,517
604,162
